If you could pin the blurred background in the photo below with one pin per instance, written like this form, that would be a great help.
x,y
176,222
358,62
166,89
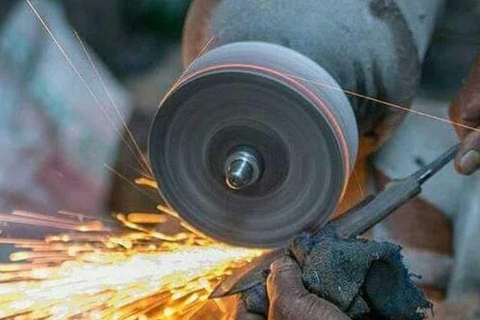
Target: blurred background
x,y
67,98
64,110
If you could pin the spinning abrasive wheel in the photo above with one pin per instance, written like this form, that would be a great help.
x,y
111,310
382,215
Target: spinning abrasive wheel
x,y
248,151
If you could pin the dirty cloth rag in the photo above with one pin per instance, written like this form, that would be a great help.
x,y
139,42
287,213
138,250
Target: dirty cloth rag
x,y
365,279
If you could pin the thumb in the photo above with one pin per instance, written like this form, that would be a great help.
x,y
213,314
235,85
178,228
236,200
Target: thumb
x,y
285,279
467,160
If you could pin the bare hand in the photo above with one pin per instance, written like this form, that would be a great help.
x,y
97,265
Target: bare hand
x,y
465,109
289,300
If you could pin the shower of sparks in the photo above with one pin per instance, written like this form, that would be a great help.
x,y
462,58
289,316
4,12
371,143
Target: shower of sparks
x,y
93,272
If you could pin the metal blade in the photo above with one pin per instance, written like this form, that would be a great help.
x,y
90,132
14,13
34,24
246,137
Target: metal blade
x,y
246,277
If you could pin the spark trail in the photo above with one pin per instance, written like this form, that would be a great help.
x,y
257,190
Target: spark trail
x,y
88,273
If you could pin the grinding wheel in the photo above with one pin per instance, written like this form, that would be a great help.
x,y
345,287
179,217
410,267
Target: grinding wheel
x,y
249,152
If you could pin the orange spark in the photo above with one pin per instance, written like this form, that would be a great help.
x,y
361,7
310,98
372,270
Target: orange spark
x,y
139,274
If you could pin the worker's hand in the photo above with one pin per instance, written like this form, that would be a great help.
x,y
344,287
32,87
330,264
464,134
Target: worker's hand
x,y
240,312
289,300
465,109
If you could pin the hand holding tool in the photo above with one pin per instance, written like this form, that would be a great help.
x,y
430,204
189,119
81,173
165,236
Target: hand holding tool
x,y
356,221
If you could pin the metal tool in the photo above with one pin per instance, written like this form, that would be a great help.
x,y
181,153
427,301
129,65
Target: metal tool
x,y
353,223
254,144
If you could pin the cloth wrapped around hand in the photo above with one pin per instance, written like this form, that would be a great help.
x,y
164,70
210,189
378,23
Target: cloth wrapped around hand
x,y
365,279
